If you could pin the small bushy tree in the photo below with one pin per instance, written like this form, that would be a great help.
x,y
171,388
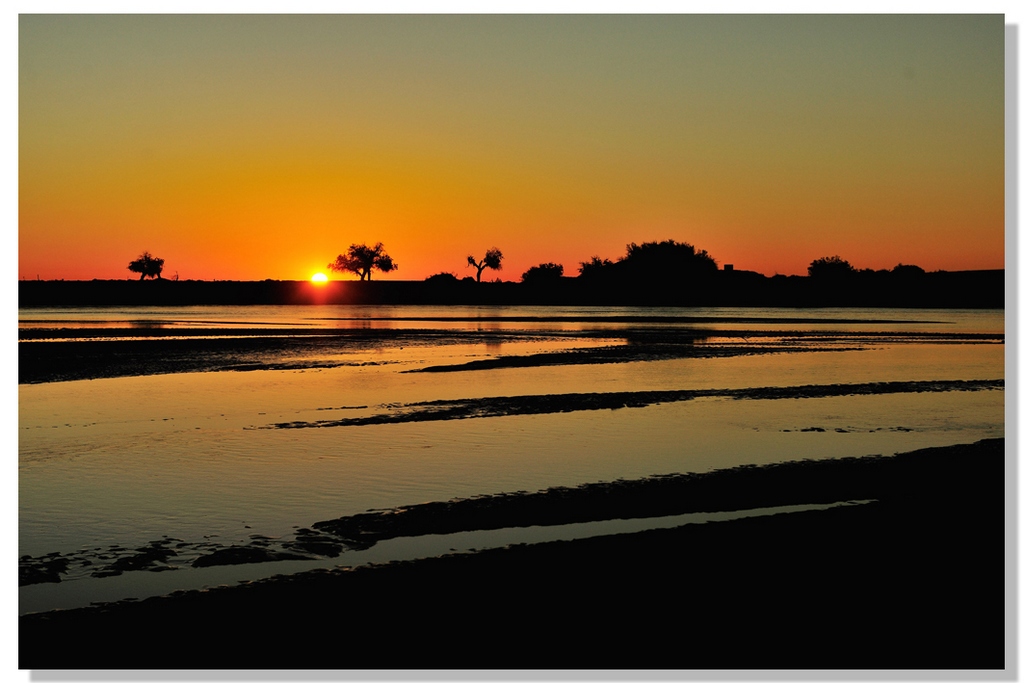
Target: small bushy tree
x,y
492,259
147,265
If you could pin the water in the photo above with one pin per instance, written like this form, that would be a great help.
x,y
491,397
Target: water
x,y
498,317
122,461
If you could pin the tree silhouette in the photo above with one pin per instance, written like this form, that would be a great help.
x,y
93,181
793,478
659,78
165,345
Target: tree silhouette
x,y
594,266
362,260
830,267
543,274
492,259
907,270
147,265
666,258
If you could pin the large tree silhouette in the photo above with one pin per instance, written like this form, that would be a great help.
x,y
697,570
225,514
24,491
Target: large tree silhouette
x,y
595,266
362,260
492,259
147,265
667,258
545,273
830,267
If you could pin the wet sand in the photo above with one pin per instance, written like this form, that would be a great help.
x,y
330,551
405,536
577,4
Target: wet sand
x,y
912,580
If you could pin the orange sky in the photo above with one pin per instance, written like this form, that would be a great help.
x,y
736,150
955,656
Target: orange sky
x,y
251,147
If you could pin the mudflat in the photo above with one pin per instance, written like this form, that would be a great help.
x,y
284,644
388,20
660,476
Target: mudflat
x,y
911,578
117,352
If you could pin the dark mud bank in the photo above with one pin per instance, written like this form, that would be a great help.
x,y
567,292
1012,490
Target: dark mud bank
x,y
914,580
544,404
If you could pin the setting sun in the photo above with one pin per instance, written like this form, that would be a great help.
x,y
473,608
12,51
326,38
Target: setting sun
x,y
319,278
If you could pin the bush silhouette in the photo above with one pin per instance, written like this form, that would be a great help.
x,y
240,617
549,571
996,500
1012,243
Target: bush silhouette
x,y
830,267
667,258
147,265
543,274
907,270
594,267
442,279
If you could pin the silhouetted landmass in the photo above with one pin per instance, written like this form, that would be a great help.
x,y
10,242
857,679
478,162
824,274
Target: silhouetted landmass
x,y
621,285
546,404
740,488
914,579
643,346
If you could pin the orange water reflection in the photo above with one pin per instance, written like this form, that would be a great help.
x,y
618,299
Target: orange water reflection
x,y
128,460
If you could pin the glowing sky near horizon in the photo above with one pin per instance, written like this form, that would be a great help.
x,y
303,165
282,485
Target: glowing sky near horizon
x,y
261,146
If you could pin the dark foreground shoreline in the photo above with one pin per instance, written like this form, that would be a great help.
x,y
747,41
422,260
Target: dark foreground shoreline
x,y
913,580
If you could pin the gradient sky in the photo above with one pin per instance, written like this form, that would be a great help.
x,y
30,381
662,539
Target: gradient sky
x,y
261,146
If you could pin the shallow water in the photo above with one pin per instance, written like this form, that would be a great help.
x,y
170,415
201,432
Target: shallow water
x,y
503,317
126,460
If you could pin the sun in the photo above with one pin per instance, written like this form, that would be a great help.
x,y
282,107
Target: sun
x,y
319,279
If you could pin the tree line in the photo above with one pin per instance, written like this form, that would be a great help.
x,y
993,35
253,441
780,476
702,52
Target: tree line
x,y
649,261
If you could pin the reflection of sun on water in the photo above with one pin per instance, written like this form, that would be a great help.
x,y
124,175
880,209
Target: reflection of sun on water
x,y
319,279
